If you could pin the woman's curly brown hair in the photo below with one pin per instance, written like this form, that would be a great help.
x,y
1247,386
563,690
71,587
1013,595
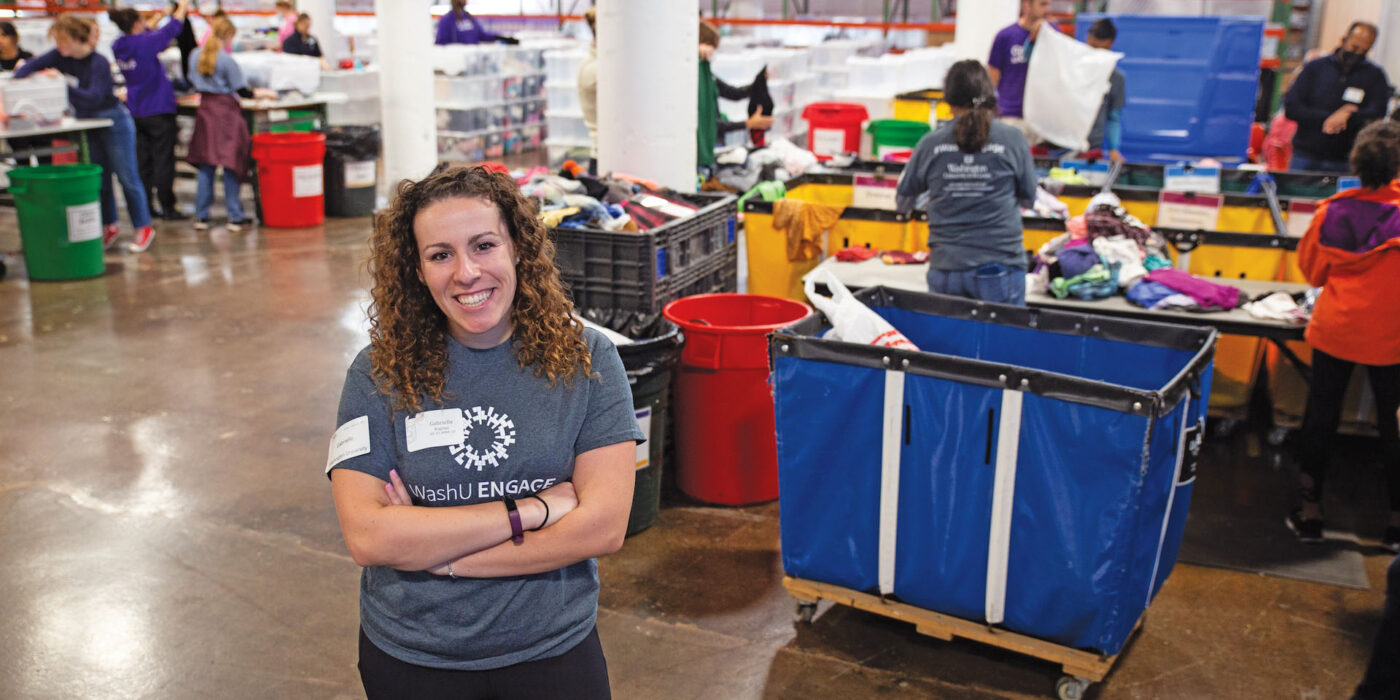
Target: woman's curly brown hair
x,y
408,332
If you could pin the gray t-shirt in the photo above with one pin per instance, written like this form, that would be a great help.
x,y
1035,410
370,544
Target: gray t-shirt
x,y
974,198
519,436
1115,98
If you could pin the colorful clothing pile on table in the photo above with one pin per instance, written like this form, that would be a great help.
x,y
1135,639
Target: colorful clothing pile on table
x,y
1101,252
572,199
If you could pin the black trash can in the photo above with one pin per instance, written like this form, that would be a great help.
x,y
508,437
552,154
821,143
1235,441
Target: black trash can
x,y
649,363
352,164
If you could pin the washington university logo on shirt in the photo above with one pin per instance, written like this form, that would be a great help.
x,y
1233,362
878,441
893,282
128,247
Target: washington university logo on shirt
x,y
967,159
484,439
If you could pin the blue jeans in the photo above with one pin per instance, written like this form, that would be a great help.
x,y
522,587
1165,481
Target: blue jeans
x,y
994,282
204,193
114,149
1318,165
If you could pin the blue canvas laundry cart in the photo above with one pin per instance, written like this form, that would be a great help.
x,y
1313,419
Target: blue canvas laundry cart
x,y
1024,477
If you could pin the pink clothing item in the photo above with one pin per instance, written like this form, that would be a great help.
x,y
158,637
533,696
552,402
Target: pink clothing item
x,y
1208,295
1077,227
289,27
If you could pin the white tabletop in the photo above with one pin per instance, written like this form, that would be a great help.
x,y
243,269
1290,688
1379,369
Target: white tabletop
x,y
289,102
68,125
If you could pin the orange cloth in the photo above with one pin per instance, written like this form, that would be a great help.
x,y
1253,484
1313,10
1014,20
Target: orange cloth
x,y
1357,316
804,223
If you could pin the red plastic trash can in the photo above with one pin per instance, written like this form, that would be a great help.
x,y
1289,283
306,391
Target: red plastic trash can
x,y
833,128
291,178
726,449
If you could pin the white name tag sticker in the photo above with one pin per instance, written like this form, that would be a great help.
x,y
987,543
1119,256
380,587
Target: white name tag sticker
x,y
644,449
349,440
442,428
1354,95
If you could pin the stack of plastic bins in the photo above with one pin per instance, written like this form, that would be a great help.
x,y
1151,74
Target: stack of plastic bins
x,y
1028,469
643,271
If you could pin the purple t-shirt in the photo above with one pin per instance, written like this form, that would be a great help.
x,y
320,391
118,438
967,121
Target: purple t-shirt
x,y
1011,54
148,91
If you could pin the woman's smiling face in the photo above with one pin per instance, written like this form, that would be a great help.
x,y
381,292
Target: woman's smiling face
x,y
467,260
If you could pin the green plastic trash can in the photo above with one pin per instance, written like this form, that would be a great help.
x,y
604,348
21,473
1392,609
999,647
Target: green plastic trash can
x,y
887,135
60,220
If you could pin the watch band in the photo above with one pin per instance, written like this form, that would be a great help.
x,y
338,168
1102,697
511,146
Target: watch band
x,y
517,531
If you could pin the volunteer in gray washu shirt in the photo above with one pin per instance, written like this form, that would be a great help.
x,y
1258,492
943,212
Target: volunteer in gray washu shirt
x,y
485,455
978,173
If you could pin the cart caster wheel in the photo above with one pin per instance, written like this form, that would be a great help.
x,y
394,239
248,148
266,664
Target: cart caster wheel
x,y
806,611
1071,688
1277,436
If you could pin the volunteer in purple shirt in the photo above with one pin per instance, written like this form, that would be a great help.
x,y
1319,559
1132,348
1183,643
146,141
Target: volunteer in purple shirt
x,y
151,99
460,27
1009,61
89,78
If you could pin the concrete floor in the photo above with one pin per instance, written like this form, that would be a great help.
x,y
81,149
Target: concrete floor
x,y
167,531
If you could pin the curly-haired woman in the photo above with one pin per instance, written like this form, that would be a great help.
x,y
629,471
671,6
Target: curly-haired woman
x,y
484,455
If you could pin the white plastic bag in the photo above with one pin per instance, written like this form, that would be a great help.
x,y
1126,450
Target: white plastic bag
x,y
1065,85
851,320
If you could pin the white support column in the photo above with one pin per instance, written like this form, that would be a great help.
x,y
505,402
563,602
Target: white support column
x,y
647,66
323,26
408,122
979,24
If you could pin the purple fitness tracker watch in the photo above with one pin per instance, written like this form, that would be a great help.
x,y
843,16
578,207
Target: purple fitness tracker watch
x,y
517,531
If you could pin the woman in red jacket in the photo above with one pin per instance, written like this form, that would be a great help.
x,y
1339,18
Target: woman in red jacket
x,y
1352,251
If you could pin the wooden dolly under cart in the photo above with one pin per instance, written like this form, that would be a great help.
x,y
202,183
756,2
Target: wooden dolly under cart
x,y
1081,667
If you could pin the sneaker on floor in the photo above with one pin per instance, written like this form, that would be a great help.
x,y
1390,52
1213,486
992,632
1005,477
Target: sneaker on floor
x,y
1391,540
173,215
1308,530
236,226
144,236
201,224
109,235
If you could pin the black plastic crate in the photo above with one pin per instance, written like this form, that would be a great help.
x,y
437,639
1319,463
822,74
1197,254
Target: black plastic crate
x,y
643,271
716,276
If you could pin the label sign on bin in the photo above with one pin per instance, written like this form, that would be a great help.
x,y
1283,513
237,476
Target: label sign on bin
x,y
359,173
828,142
306,180
84,222
644,449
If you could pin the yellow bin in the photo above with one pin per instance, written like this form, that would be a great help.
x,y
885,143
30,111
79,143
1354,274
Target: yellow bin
x,y
922,106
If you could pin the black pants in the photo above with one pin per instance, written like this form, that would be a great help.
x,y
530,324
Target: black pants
x,y
1330,377
1382,679
581,673
155,157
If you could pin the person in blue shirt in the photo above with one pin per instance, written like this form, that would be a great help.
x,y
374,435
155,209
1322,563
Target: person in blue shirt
x,y
460,27
1107,133
151,99
90,93
220,134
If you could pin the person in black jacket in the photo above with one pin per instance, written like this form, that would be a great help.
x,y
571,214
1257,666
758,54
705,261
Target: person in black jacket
x,y
10,52
301,42
1332,99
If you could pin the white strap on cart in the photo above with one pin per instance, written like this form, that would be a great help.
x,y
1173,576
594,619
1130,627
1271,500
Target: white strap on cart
x,y
1181,447
1003,498
890,452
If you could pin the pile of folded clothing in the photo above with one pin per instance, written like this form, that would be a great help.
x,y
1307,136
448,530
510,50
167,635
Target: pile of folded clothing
x,y
1173,289
1101,252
